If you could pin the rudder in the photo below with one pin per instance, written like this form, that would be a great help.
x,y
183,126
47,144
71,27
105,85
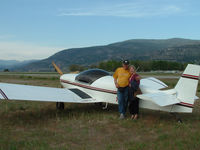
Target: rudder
x,y
187,85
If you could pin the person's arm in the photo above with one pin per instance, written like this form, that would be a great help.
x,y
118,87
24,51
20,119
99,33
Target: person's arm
x,y
134,85
137,78
115,76
116,84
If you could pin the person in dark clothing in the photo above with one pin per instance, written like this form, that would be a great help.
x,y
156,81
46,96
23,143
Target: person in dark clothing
x,y
134,82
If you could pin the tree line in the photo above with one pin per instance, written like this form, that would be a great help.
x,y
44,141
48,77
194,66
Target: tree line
x,y
111,65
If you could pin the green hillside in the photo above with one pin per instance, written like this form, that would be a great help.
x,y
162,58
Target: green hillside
x,y
176,49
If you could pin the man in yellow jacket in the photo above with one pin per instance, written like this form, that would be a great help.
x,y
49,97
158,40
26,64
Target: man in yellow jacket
x,y
121,79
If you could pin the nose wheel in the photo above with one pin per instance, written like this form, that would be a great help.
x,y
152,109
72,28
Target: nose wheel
x,y
60,105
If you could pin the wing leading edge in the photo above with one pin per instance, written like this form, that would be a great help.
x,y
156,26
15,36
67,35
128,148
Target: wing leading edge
x,y
37,93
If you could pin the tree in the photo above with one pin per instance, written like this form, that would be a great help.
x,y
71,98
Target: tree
x,y
75,67
6,70
111,65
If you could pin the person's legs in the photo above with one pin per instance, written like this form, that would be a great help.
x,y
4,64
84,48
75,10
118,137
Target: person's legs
x,y
125,99
137,105
131,107
131,102
136,108
120,97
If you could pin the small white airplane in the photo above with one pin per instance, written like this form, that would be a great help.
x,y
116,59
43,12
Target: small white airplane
x,y
96,85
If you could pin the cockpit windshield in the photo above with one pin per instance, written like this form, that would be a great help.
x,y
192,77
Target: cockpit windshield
x,y
91,75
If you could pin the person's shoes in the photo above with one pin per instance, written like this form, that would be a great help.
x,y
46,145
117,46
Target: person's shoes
x,y
121,116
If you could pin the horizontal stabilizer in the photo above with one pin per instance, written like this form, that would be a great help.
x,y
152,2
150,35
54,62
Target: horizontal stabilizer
x,y
160,98
37,93
152,83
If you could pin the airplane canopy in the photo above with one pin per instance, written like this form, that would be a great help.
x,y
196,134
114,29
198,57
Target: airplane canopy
x,y
91,75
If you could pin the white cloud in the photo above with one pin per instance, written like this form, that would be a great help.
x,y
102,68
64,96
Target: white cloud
x,y
76,14
25,51
133,9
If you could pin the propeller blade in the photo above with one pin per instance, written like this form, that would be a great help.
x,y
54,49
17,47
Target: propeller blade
x,y
57,68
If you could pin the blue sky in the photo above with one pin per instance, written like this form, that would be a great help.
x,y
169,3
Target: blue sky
x,y
36,29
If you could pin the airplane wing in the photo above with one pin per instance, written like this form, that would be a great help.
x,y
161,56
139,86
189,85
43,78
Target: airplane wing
x,y
160,98
152,83
37,93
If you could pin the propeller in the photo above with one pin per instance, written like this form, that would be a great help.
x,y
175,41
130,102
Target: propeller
x,y
57,68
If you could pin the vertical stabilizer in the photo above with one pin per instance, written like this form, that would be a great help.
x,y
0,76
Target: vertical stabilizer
x,y
187,85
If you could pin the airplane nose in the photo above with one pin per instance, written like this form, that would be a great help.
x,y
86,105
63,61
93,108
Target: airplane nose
x,y
61,77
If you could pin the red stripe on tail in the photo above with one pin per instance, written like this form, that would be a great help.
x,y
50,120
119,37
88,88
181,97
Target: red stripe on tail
x,y
190,76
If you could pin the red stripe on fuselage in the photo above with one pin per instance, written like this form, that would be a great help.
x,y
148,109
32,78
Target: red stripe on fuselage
x,y
89,87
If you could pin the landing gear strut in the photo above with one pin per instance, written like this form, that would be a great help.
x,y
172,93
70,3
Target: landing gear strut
x,y
101,104
179,120
106,106
60,105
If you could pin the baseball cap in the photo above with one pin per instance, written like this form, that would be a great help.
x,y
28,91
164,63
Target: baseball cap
x,y
125,62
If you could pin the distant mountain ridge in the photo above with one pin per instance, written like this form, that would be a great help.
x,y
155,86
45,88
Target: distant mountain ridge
x,y
176,49
14,64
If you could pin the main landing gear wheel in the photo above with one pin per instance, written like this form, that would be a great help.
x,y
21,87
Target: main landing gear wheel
x,y
178,119
60,105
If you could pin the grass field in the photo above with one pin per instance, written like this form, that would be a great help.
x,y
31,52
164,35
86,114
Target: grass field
x,y
39,126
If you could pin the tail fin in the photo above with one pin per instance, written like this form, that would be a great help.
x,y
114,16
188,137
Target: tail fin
x,y
187,85
57,68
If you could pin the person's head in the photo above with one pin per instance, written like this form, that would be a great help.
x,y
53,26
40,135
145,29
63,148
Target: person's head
x,y
132,69
125,64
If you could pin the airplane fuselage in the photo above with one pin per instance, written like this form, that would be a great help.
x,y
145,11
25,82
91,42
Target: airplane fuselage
x,y
104,90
